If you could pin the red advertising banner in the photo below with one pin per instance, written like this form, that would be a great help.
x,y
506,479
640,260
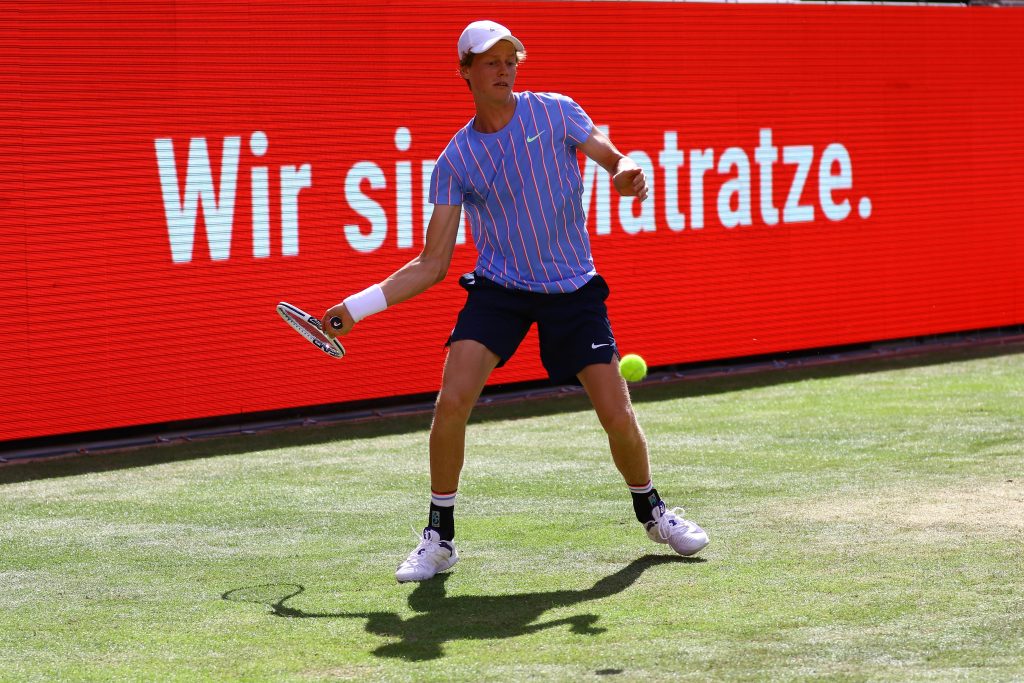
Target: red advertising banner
x,y
822,175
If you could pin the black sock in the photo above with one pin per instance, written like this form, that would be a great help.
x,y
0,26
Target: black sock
x,y
643,503
442,520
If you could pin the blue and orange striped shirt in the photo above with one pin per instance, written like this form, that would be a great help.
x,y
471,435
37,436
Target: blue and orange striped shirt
x,y
522,192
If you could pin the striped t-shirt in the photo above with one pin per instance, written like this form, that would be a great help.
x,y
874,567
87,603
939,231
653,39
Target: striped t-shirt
x,y
522,192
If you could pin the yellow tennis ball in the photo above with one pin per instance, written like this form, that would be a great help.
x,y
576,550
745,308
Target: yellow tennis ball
x,y
633,367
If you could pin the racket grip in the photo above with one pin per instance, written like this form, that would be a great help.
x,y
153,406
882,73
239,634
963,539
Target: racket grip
x,y
335,323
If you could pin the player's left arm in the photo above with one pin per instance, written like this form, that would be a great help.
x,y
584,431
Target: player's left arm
x,y
628,177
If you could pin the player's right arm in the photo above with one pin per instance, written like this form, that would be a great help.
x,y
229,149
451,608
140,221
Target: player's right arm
x,y
419,274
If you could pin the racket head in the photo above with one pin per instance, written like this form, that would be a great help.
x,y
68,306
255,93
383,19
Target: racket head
x,y
309,327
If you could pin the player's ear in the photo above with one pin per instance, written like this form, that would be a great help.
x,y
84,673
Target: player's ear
x,y
464,64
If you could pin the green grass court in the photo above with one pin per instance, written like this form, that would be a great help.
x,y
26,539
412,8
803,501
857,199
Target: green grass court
x,y
867,524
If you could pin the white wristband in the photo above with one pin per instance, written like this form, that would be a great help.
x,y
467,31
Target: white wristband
x,y
365,303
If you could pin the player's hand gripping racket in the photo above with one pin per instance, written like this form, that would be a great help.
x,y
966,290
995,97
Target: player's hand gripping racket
x,y
309,327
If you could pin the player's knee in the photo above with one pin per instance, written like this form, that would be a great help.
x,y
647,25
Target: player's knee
x,y
621,424
451,406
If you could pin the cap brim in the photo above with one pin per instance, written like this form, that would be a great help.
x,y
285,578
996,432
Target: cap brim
x,y
488,44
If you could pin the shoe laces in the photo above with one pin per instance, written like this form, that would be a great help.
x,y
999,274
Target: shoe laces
x,y
426,543
670,519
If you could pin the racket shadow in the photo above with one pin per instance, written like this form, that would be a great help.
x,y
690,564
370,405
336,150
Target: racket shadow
x,y
441,618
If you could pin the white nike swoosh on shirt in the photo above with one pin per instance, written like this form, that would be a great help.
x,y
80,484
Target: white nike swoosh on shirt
x,y
597,346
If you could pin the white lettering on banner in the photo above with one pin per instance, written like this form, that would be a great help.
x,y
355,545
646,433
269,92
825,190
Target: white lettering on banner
x,y
365,207
766,155
181,208
794,211
827,183
260,180
181,211
734,195
403,190
374,212
733,206
701,161
293,181
670,160
738,187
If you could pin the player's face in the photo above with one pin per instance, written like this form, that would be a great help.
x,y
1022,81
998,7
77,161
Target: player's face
x,y
493,73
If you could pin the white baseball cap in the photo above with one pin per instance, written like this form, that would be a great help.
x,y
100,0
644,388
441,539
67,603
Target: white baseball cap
x,y
480,36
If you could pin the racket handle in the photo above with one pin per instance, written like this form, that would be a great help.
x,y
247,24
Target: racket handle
x,y
335,323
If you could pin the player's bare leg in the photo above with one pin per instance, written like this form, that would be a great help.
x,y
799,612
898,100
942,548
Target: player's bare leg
x,y
610,396
466,370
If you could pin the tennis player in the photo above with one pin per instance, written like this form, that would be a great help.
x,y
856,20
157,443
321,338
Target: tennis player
x,y
513,168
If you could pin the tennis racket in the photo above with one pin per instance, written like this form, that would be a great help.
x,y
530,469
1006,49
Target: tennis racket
x,y
309,327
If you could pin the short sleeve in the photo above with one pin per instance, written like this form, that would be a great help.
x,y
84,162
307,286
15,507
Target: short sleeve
x,y
445,184
577,124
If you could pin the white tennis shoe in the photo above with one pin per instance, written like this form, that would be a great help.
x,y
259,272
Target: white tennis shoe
x,y
431,556
684,536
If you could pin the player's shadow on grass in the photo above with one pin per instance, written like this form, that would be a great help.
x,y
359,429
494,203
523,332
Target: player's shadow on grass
x,y
441,619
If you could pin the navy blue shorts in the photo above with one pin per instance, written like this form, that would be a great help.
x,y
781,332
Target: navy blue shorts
x,y
573,328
